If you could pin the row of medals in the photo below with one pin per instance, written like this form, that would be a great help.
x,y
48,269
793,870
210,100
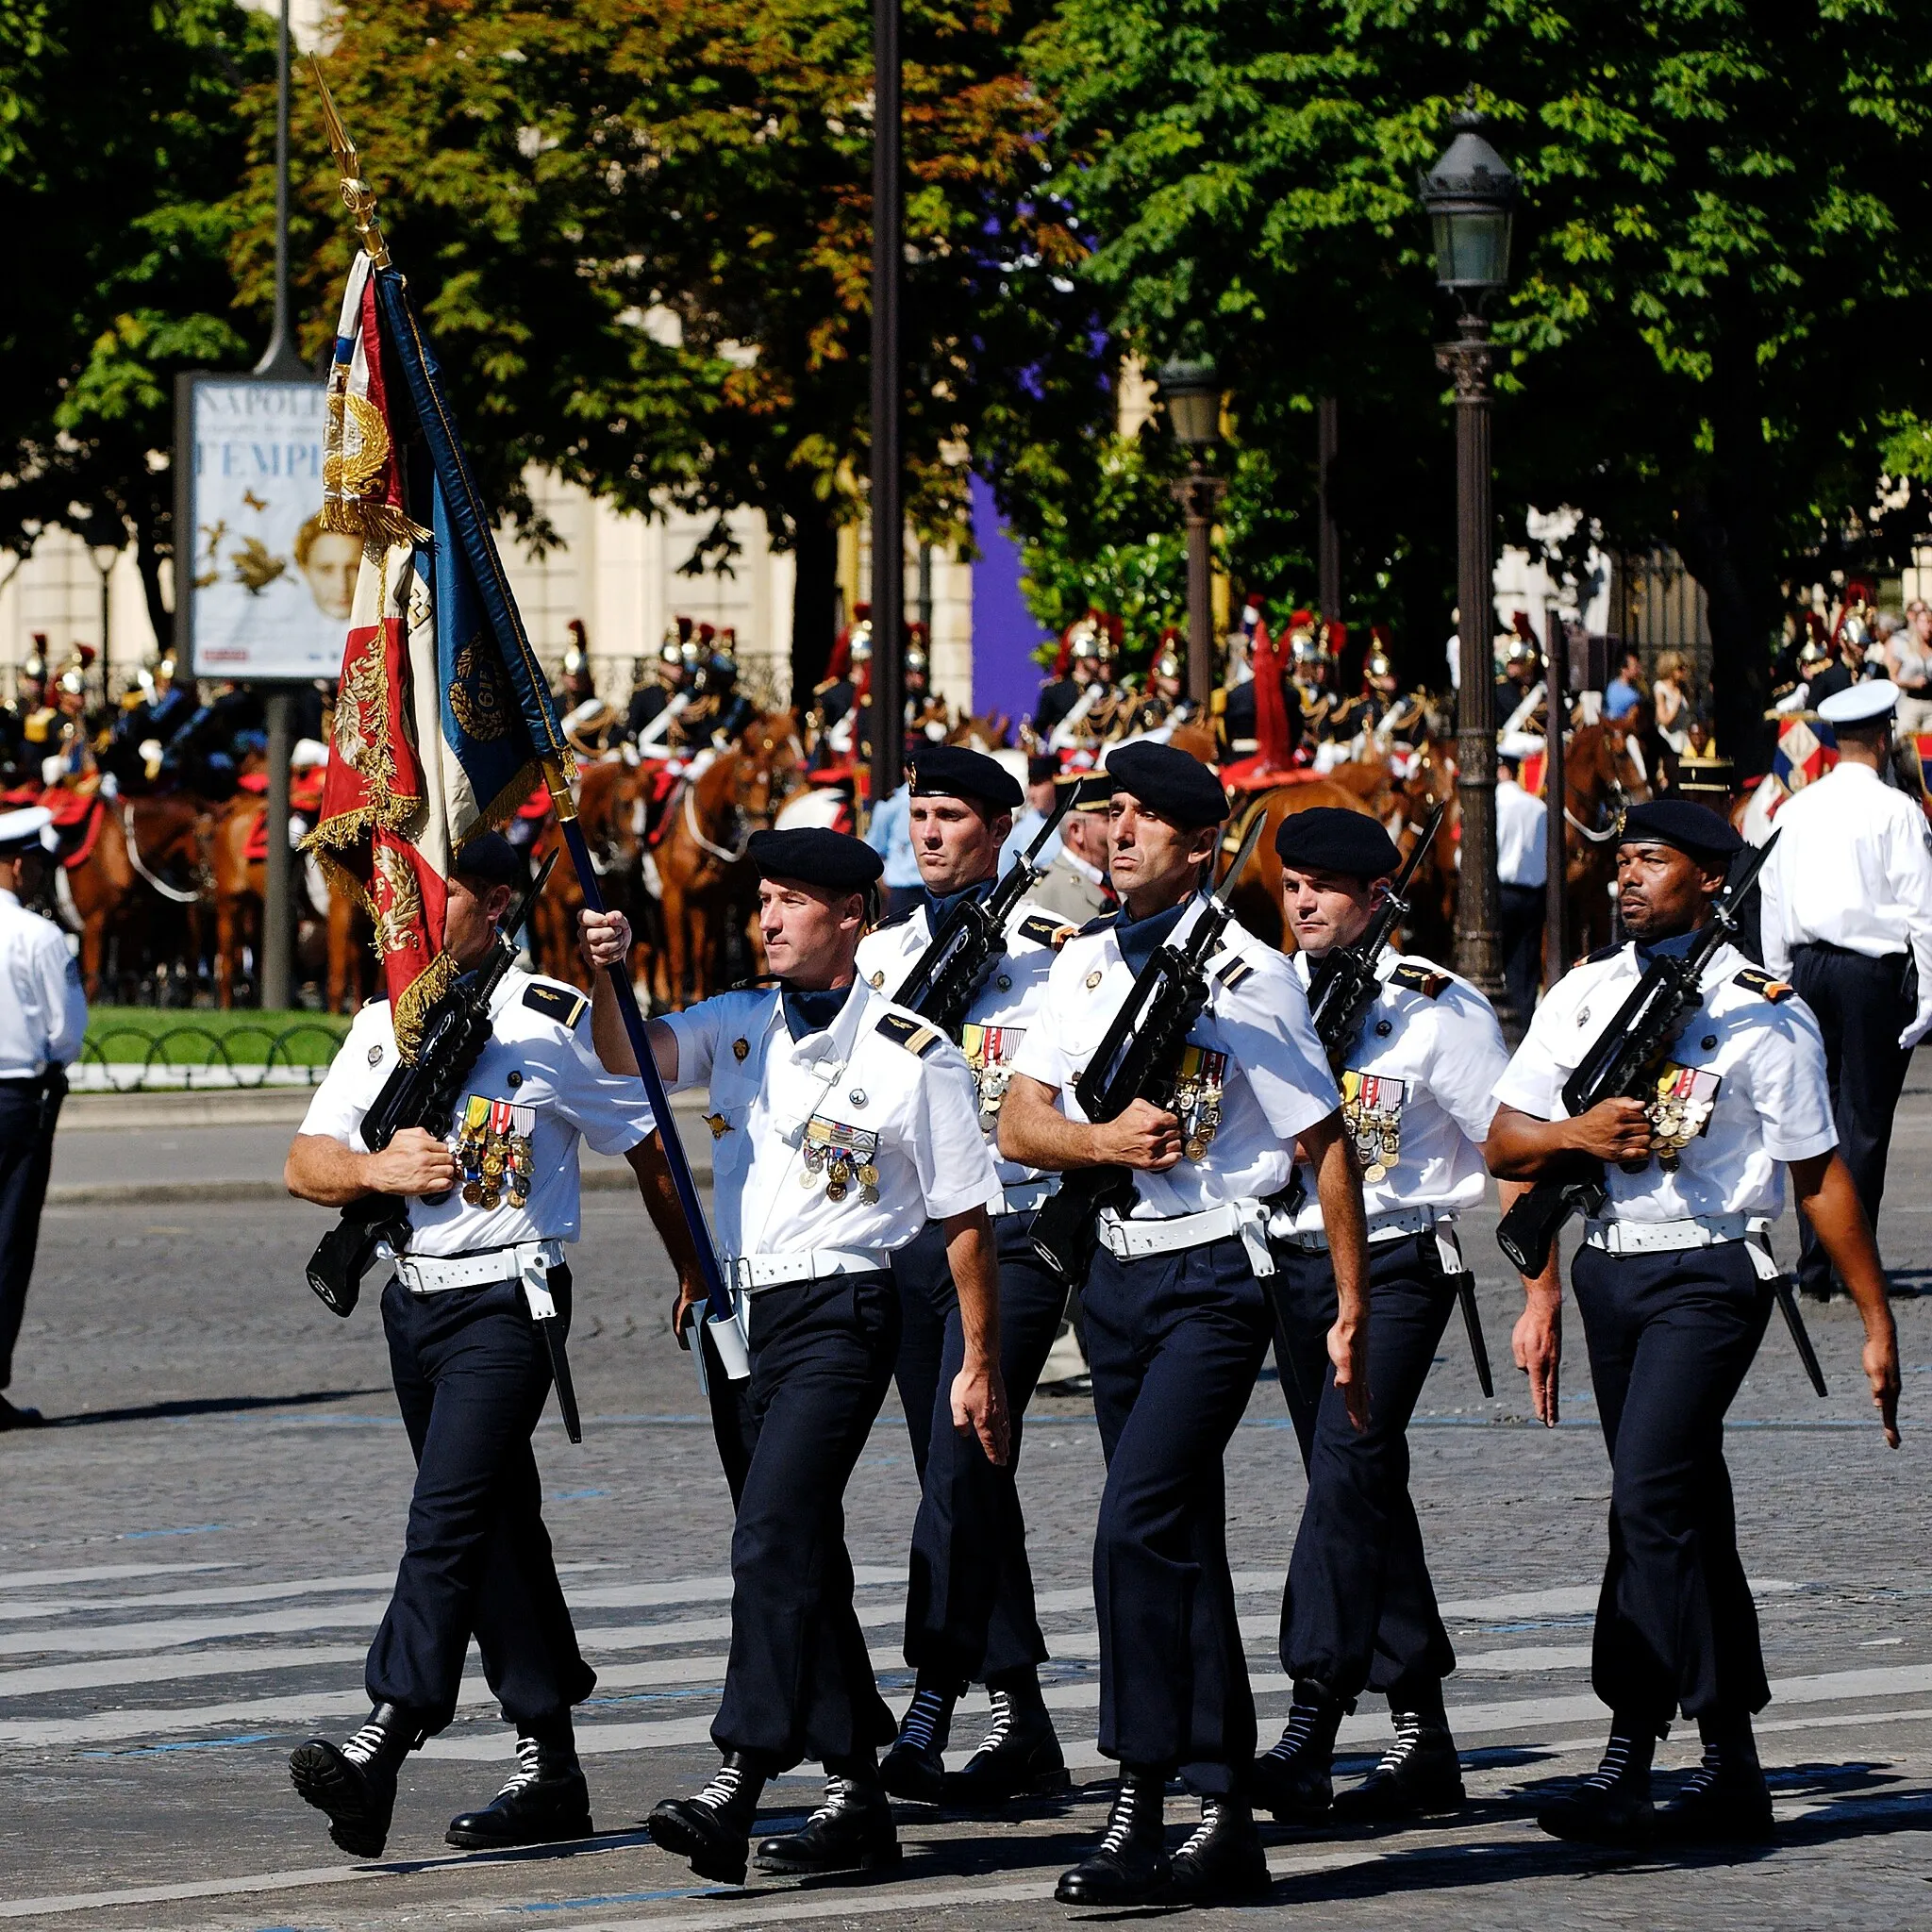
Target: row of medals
x,y
843,1154
493,1168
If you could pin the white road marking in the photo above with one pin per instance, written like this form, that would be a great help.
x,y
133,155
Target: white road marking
x,y
361,1613
163,1670
103,1573
239,1593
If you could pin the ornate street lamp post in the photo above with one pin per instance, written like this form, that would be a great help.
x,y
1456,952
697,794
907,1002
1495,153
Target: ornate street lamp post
x,y
1470,195
1192,394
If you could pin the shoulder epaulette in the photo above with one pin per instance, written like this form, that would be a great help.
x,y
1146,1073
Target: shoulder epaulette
x,y
1233,970
1755,980
1426,980
897,919
563,1004
915,1036
1101,922
1603,952
1043,931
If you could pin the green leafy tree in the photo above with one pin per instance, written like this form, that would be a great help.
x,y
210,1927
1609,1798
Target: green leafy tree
x,y
119,140
641,238
1704,344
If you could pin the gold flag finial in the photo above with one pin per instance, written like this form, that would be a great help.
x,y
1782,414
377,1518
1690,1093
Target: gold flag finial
x,y
358,196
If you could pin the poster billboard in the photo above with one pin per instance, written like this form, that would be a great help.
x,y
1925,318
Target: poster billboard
x,y
267,589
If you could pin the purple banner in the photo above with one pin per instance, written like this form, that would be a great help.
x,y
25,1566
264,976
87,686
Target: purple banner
x,y
1005,632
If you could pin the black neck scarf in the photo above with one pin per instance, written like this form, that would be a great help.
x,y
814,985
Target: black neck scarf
x,y
1138,938
812,1012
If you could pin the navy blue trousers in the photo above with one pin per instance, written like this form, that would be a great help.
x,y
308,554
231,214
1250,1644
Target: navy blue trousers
x,y
1863,1007
1175,1342
799,1683
1358,1611
968,1598
1670,1338
472,1376
28,1114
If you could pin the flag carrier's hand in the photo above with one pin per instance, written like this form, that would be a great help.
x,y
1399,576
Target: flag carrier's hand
x,y
602,939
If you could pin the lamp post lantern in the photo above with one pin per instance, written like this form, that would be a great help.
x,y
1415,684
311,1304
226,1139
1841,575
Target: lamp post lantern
x,y
1470,196
103,558
1192,394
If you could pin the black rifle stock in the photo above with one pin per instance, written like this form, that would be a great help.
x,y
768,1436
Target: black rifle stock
x,y
942,981
422,1092
1622,1064
1138,1060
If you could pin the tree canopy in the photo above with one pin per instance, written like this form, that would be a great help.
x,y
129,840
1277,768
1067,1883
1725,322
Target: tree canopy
x,y
1704,344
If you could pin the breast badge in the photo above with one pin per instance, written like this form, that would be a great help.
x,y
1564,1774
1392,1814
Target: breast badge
x,y
1197,1099
990,1052
493,1151
1682,1109
840,1156
1371,1107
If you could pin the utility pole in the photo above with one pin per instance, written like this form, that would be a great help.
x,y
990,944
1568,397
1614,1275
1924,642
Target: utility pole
x,y
887,391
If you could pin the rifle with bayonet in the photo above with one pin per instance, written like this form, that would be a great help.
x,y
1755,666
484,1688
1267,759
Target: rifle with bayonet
x,y
1343,988
971,936
1138,1060
424,1092
1622,1063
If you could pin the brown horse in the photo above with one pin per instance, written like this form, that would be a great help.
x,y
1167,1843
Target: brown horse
x,y
333,940
611,809
1602,771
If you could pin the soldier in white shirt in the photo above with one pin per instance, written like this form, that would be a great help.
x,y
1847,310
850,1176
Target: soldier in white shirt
x,y
1358,1611
969,1603
1847,917
1521,868
842,1125
1177,1320
1673,1283
487,1221
42,1022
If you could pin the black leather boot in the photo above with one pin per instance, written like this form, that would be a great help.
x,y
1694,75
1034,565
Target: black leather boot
x,y
1420,1777
1019,1756
1223,1862
355,1786
915,1767
1726,1800
544,1802
852,1831
1292,1778
712,1830
1612,1805
1129,1865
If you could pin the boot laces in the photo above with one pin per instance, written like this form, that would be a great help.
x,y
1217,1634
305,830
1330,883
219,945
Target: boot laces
x,y
1703,1776
926,1718
363,1747
1615,1767
1124,1819
1408,1735
1297,1735
1002,1724
726,1787
1197,1839
529,1766
839,1794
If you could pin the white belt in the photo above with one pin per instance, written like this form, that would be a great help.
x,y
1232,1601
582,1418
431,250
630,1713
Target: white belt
x,y
1128,1240
428,1274
1022,1197
1661,1237
749,1274
1391,1227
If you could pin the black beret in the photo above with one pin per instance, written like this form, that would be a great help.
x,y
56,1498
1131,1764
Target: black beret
x,y
1173,783
816,856
1331,838
1693,828
1041,766
490,857
952,771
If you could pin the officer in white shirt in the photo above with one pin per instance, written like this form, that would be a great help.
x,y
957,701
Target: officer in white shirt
x,y
1522,865
42,1021
1177,1320
1417,1083
969,1604
1673,1283
842,1126
1846,898
488,1217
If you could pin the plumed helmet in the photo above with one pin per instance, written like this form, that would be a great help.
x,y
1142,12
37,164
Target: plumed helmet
x,y
672,650
917,663
861,641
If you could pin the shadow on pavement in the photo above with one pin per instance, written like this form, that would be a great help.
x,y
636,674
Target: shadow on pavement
x,y
211,1405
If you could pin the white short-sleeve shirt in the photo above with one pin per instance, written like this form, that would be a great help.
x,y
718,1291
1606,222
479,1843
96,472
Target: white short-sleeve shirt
x,y
852,1137
43,1009
1745,1083
1252,1075
536,1086
1001,1010
1418,1090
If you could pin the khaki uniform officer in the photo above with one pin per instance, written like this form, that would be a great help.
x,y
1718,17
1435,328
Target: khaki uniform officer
x,y
1177,1320
1673,1283
843,1124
